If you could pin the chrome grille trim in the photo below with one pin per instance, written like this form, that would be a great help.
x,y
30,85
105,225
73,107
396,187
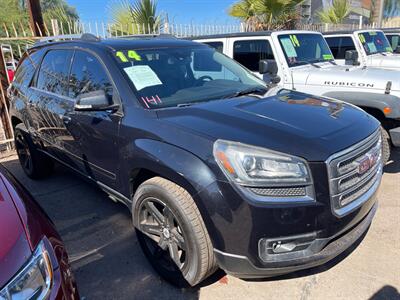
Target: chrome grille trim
x,y
349,187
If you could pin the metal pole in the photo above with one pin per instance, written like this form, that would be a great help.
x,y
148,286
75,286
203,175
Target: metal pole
x,y
380,15
35,17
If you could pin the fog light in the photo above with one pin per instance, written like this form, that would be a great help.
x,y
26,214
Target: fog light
x,y
285,248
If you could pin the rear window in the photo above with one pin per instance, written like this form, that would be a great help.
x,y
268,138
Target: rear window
x,y
26,68
53,74
219,46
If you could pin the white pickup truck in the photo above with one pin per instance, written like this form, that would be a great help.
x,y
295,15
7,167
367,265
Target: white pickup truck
x,y
371,48
302,60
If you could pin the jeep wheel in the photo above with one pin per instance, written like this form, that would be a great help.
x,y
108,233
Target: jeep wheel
x,y
386,145
172,233
35,164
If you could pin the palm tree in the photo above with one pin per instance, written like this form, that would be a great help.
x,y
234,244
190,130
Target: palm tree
x,y
244,10
265,14
335,14
135,17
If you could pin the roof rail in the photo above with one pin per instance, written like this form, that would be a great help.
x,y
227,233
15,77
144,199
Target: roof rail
x,y
66,37
148,35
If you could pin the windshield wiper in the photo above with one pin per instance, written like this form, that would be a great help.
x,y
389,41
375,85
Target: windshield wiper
x,y
252,90
300,62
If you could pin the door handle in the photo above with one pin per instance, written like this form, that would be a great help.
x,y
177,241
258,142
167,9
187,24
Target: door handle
x,y
66,119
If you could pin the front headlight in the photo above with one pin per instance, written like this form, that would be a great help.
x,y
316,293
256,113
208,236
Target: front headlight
x,y
254,166
34,280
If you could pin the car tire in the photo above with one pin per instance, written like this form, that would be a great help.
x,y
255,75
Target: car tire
x,y
168,224
386,146
35,164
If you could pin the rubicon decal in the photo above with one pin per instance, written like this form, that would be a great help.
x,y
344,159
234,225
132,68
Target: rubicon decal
x,y
351,84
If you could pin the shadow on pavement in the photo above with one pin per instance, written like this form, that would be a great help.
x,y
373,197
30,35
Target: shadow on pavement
x,y
387,292
105,255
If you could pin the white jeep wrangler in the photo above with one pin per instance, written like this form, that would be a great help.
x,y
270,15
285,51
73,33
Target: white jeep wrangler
x,y
367,48
302,60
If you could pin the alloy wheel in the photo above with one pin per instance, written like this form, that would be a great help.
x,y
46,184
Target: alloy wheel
x,y
165,237
23,152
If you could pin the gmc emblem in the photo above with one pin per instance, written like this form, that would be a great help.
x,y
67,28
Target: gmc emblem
x,y
367,162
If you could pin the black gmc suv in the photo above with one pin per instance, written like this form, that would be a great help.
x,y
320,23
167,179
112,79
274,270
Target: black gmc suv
x,y
218,169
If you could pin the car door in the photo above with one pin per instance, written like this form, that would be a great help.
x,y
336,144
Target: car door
x,y
50,102
94,133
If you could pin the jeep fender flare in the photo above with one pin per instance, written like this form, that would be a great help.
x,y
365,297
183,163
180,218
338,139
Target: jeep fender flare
x,y
371,100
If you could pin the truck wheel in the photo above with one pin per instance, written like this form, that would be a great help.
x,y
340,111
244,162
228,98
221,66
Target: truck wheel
x,y
172,233
386,146
34,163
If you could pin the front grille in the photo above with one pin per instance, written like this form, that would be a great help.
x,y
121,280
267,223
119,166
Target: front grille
x,y
280,192
354,173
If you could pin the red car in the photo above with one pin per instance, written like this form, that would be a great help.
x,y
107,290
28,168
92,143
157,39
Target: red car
x,y
33,260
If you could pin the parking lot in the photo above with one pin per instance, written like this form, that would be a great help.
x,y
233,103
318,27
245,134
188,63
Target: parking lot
x,y
108,262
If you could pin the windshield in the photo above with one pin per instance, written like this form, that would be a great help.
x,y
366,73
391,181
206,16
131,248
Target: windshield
x,y
166,77
374,42
304,48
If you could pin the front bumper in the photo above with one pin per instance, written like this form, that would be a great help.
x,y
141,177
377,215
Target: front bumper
x,y
241,266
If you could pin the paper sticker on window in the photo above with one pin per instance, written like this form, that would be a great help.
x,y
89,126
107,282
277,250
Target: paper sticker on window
x,y
372,33
142,76
362,38
294,40
288,47
389,49
327,56
372,47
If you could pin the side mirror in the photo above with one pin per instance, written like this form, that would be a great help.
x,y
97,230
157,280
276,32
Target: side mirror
x,y
93,101
351,58
268,66
397,50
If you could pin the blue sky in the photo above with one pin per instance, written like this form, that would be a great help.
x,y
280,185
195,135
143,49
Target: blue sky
x,y
181,11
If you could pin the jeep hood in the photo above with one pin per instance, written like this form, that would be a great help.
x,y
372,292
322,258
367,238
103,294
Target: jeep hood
x,y
387,61
290,122
367,79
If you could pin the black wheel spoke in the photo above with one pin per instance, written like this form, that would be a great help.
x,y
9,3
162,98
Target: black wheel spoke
x,y
168,217
160,225
27,163
151,229
163,243
154,212
178,239
174,253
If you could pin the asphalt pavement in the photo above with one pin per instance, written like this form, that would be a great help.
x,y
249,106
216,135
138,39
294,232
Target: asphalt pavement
x,y
108,262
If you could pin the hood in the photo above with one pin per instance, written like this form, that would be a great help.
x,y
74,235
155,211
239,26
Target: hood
x,y
14,246
387,61
290,122
367,79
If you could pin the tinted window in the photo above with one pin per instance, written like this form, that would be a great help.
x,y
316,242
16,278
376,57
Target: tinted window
x,y
219,46
87,75
249,53
53,75
339,46
27,68
394,40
